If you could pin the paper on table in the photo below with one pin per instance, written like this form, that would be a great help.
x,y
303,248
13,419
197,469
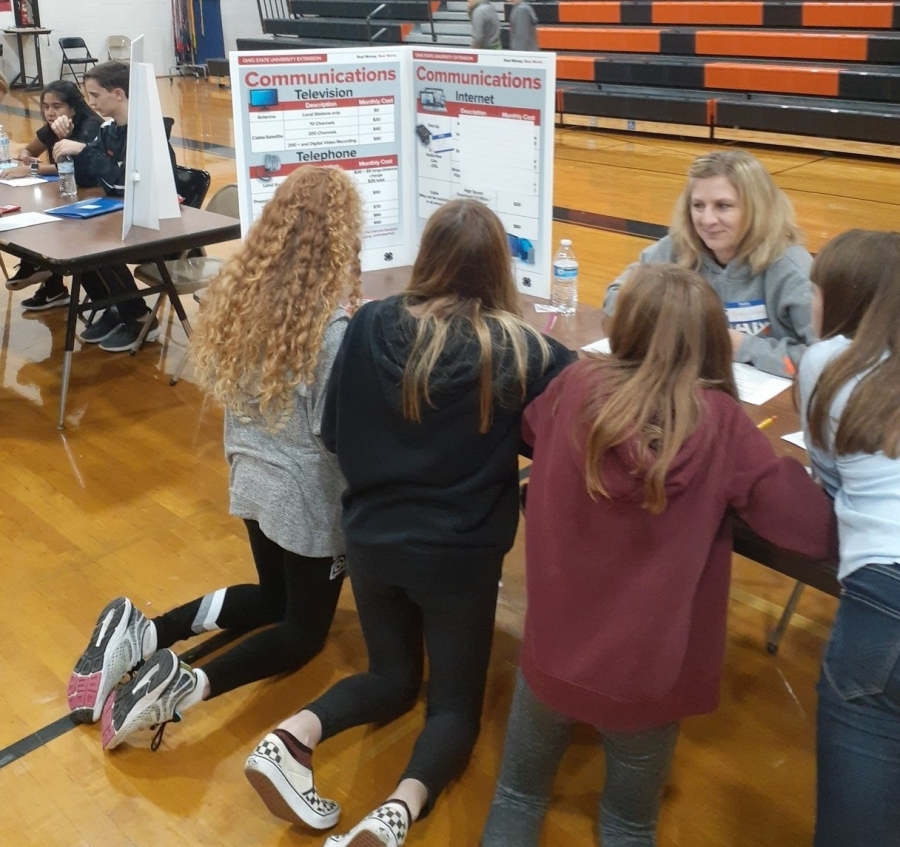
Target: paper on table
x,y
544,307
24,219
22,181
755,386
601,346
795,438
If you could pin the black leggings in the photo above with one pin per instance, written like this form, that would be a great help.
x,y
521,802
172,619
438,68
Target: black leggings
x,y
457,630
296,593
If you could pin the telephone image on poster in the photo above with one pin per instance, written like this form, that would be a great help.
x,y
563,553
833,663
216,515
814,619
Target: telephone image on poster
x,y
271,165
263,98
521,249
433,99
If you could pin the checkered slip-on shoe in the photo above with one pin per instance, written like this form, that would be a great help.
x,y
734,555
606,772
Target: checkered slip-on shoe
x,y
280,770
385,827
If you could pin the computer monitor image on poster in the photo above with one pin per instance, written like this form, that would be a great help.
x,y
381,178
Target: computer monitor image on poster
x,y
150,194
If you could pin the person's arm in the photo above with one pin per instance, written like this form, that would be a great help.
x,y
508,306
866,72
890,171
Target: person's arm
x,y
659,252
28,154
775,495
331,343
788,294
328,423
824,465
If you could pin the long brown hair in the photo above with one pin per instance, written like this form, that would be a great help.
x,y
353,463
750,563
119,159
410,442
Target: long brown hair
x,y
462,279
768,225
264,316
858,273
669,338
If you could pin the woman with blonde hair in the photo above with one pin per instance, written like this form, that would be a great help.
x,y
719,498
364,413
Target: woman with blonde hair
x,y
423,410
268,333
640,457
737,229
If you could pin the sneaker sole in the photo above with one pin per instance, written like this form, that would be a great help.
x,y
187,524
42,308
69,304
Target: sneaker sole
x,y
123,706
18,284
51,304
122,348
90,682
269,782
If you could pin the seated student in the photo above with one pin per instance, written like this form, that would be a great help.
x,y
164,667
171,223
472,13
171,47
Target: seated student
x,y
639,458
66,115
737,229
850,405
102,161
265,341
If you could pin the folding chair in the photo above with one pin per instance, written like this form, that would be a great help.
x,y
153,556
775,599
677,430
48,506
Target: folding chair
x,y
76,62
118,47
190,273
192,185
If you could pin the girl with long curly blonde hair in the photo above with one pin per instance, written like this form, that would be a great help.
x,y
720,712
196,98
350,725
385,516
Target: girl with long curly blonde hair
x,y
268,334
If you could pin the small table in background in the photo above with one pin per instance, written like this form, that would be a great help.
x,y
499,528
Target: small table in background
x,y
21,79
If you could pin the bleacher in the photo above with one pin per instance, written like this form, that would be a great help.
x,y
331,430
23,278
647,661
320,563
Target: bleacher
x,y
823,69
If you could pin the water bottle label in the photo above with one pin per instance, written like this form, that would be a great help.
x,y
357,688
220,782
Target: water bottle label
x,y
565,273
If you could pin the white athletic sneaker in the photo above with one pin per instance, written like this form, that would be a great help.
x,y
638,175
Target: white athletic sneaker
x,y
115,648
148,700
280,769
385,827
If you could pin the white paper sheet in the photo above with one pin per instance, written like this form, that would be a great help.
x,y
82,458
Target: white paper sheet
x,y
540,308
757,387
795,438
601,346
23,219
22,181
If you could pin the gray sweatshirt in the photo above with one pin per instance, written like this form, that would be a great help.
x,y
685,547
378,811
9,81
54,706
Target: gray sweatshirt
x,y
485,26
286,480
773,308
522,27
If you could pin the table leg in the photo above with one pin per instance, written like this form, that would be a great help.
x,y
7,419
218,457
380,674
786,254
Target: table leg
x,y
71,323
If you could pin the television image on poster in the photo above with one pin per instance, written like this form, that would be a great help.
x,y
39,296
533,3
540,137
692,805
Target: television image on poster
x,y
264,98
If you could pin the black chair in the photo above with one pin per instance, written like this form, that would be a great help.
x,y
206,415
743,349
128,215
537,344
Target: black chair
x,y
73,59
192,185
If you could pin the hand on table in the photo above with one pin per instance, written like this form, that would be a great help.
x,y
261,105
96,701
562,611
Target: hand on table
x,y
16,172
737,339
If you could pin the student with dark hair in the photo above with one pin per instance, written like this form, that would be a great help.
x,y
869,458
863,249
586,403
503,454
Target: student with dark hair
x,y
66,115
735,227
270,328
640,457
102,162
423,410
850,403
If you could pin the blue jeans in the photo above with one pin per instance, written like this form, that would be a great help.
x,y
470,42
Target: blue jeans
x,y
637,767
858,802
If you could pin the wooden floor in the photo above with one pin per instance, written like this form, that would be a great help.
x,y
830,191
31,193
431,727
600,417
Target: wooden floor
x,y
132,498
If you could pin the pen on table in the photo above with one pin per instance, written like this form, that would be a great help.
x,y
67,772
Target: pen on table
x,y
767,422
551,322
790,367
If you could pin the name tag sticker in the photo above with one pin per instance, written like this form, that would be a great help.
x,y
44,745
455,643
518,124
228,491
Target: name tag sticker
x,y
748,316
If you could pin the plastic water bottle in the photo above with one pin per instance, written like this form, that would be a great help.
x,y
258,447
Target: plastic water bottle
x,y
65,167
564,294
4,147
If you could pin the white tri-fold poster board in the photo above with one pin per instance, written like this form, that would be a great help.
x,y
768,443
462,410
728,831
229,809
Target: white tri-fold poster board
x,y
414,128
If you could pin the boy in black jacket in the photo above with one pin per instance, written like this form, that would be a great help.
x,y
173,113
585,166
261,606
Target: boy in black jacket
x,y
102,162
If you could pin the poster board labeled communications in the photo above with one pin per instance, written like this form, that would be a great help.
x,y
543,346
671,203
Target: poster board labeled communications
x,y
414,128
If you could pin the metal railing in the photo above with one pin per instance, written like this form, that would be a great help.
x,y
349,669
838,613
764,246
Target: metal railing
x,y
380,8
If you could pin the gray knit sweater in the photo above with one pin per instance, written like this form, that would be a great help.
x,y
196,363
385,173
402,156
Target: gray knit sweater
x,y
773,308
285,479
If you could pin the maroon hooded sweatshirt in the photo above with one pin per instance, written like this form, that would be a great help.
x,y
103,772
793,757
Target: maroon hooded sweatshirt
x,y
627,610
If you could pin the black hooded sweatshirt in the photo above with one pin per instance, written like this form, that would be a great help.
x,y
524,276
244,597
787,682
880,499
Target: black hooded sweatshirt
x,y
437,494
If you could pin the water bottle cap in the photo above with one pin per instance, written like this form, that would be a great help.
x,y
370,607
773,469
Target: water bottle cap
x,y
566,242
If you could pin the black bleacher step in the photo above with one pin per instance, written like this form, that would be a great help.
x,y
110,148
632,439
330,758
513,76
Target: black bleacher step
x,y
812,116
293,42
396,10
336,28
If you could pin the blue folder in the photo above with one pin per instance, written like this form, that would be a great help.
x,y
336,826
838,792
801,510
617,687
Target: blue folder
x,y
88,208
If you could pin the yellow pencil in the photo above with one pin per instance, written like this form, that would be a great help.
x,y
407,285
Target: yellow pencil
x,y
767,422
